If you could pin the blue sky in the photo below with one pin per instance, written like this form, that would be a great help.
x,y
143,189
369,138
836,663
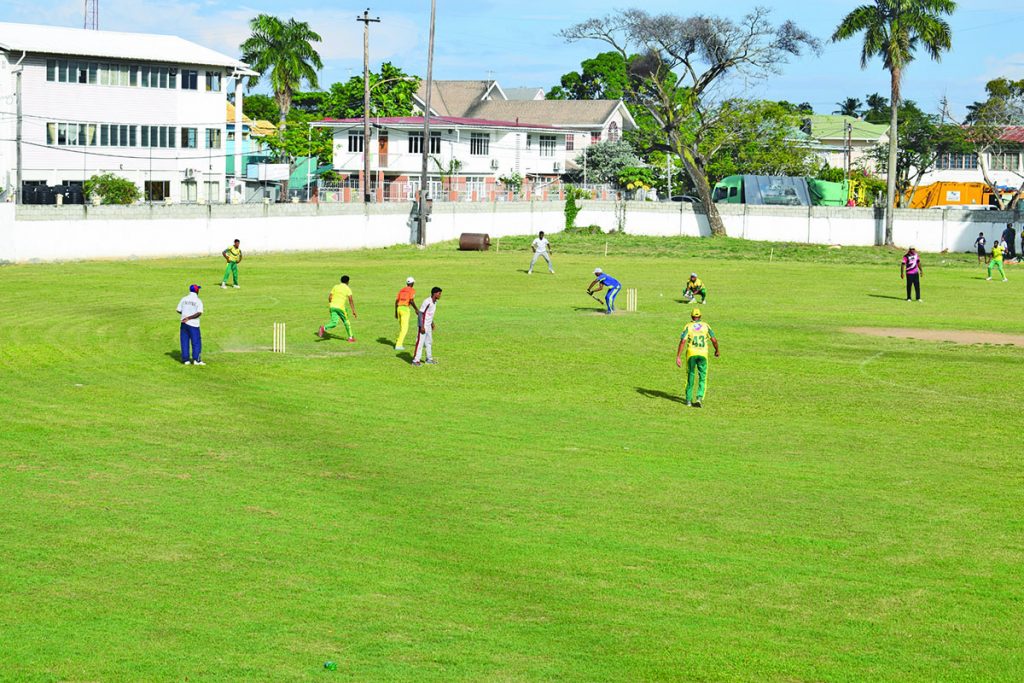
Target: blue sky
x,y
517,43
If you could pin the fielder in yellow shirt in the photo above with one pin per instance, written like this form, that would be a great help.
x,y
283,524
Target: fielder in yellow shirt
x,y
696,338
341,306
233,256
997,261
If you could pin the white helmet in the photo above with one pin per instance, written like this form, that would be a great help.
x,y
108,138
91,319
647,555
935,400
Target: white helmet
x,y
597,271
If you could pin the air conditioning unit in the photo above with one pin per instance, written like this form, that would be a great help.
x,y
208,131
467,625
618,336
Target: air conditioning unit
x,y
494,164
190,173
557,167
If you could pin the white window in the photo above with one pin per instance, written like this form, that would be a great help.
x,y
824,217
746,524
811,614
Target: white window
x,y
189,138
475,183
188,191
416,142
213,138
570,142
613,132
951,161
157,190
212,191
213,81
548,144
1005,160
480,144
355,141
189,79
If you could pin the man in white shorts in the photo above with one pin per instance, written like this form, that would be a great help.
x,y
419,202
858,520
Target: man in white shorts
x,y
425,338
541,247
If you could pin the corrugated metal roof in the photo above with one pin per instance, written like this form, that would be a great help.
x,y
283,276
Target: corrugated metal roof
x,y
417,121
143,47
832,126
1013,134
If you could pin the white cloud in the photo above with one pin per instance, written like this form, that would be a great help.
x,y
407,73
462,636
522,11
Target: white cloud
x,y
1008,66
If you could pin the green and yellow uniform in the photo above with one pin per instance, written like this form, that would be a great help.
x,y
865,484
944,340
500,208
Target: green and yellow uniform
x,y
698,336
695,287
339,307
233,255
996,262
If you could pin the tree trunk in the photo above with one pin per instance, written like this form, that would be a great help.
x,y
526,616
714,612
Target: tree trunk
x,y
890,175
988,180
703,188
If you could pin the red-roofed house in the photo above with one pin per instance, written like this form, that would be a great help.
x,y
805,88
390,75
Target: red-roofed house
x,y
468,155
1004,165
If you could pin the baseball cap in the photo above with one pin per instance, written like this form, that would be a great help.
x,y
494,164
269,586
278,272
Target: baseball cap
x,y
194,288
597,271
695,313
409,280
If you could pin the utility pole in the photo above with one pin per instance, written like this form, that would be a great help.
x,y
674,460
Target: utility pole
x,y
421,238
366,100
92,15
668,172
849,150
17,136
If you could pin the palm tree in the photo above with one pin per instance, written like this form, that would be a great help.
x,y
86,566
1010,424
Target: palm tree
x,y
285,50
849,107
893,30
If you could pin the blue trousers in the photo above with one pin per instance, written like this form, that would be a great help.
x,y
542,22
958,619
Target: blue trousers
x,y
609,298
191,335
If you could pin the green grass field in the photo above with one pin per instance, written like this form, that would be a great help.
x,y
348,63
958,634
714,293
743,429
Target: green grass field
x,y
538,506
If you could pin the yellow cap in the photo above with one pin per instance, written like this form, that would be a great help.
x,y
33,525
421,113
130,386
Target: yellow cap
x,y
695,313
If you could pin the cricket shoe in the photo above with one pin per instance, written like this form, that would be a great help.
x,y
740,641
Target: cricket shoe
x,y
198,362
236,286
430,361
351,339
988,278
188,362
321,332
1005,280
416,363
697,404
399,348
223,285
687,403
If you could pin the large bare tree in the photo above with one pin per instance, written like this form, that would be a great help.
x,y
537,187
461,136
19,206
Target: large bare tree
x,y
681,62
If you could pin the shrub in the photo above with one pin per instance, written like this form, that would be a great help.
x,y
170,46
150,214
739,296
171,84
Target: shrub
x,y
112,189
584,230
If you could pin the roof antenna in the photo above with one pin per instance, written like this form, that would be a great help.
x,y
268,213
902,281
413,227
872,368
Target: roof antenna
x,y
490,75
92,15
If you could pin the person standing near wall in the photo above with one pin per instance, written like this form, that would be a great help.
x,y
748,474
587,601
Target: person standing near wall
x,y
541,248
979,244
1009,237
405,306
910,269
996,261
189,309
233,256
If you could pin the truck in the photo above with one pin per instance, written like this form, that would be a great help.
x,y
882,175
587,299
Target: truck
x,y
780,191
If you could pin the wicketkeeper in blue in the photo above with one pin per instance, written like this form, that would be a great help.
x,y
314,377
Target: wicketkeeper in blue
x,y
601,281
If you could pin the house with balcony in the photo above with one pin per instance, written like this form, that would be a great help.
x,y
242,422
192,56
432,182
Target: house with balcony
x,y
147,107
585,121
467,156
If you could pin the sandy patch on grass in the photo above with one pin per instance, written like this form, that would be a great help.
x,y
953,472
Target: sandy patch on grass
x,y
955,336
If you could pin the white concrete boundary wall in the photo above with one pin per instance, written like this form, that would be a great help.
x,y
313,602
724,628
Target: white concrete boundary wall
x,y
47,233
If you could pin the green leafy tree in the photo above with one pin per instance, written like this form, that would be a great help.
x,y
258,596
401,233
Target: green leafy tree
x,y
283,53
604,161
802,109
603,77
849,107
112,189
756,137
682,60
894,30
261,108
877,109
923,138
297,139
391,94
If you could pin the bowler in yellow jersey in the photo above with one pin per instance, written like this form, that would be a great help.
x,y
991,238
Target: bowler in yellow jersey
x,y
695,339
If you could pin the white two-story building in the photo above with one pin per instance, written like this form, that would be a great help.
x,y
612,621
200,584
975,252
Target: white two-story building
x,y
467,156
149,108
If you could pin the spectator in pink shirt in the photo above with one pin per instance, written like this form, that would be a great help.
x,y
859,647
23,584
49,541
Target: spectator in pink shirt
x,y
910,270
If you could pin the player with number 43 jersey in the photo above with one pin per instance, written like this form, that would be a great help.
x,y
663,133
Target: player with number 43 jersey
x,y
695,339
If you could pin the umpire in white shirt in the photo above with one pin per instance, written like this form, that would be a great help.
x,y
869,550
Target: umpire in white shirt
x,y
190,308
541,247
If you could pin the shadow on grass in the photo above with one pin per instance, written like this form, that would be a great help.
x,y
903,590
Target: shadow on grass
x,y
887,296
588,309
689,301
655,393
385,341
